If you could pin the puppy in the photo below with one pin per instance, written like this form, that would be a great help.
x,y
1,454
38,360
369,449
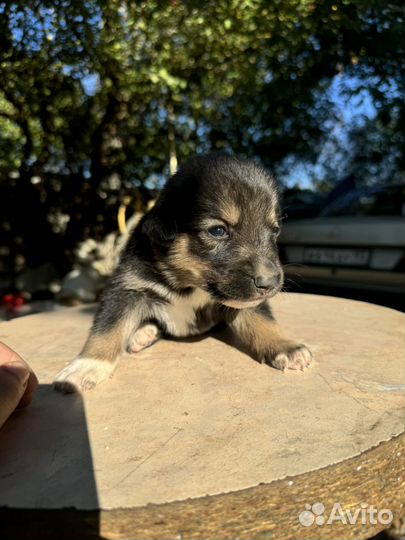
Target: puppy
x,y
205,253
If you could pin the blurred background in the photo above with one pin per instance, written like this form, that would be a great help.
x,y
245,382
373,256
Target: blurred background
x,y
100,100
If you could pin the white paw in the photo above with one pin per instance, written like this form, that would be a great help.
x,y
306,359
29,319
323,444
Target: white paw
x,y
296,358
82,374
143,337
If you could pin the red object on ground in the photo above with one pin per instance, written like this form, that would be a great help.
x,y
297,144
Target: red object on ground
x,y
13,300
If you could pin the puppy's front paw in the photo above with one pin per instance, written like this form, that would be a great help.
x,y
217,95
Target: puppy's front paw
x,y
298,357
82,374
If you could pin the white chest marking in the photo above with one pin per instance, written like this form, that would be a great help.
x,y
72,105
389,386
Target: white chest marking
x,y
181,312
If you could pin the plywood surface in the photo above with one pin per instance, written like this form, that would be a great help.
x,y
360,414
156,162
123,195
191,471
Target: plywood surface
x,y
187,419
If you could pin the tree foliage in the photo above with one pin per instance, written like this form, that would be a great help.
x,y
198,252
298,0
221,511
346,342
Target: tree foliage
x,y
96,97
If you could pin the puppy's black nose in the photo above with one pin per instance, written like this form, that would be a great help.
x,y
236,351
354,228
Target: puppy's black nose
x,y
266,281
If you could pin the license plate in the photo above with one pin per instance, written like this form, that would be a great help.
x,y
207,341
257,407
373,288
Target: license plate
x,y
337,257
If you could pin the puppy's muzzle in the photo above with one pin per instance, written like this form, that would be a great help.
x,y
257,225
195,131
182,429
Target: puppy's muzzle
x,y
265,283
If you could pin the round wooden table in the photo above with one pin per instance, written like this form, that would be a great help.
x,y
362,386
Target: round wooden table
x,y
194,439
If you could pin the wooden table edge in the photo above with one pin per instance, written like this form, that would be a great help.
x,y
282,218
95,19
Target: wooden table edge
x,y
263,512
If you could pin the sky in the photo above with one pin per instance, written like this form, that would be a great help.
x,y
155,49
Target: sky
x,y
350,111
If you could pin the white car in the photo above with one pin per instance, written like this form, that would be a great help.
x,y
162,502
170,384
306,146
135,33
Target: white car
x,y
357,241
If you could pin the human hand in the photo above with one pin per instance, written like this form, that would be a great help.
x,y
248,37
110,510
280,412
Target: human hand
x,y
17,382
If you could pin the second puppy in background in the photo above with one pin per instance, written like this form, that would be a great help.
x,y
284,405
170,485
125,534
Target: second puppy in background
x,y
206,253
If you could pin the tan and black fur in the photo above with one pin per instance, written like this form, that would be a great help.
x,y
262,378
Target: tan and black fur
x,y
206,253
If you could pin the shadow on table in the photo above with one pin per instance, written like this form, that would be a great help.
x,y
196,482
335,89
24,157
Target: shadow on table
x,y
47,483
220,333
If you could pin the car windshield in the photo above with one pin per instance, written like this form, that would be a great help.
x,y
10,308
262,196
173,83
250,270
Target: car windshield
x,y
388,201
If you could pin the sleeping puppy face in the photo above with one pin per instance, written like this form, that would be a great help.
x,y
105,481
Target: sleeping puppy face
x,y
215,227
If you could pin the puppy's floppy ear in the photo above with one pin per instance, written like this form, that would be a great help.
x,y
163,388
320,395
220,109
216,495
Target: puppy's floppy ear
x,y
159,227
172,209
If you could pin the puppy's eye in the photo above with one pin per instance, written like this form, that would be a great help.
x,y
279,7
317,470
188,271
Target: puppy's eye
x,y
275,229
218,232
